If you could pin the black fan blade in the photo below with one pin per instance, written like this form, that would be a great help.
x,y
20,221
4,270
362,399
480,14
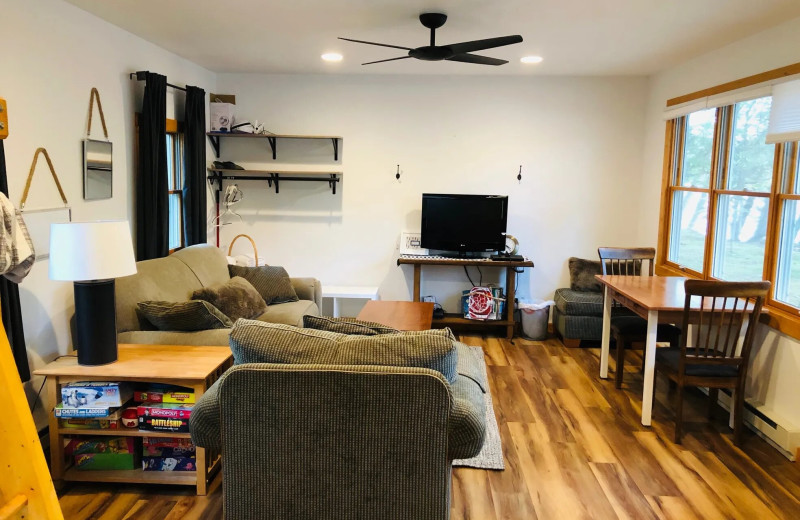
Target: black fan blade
x,y
390,59
474,58
378,44
479,45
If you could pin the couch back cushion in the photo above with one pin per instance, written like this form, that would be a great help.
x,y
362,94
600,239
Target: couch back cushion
x,y
259,342
581,275
207,262
165,279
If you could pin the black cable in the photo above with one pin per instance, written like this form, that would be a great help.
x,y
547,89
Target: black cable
x,y
38,394
468,277
480,281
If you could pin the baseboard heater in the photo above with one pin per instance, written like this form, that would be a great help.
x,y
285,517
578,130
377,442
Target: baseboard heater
x,y
769,425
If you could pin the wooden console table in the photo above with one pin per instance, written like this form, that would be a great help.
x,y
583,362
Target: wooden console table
x,y
456,319
193,367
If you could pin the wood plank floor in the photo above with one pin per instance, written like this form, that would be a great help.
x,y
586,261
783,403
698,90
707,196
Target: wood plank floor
x,y
574,448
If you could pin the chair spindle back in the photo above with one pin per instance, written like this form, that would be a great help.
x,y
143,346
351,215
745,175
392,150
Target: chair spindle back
x,y
622,261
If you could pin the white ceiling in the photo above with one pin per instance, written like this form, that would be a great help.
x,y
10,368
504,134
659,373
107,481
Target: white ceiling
x,y
575,37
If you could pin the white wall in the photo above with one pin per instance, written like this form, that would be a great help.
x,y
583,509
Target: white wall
x,y
578,140
776,366
60,52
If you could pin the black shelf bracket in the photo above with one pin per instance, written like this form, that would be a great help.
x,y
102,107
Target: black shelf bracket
x,y
335,142
215,144
273,143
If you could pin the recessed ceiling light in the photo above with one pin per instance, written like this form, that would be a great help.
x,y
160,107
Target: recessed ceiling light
x,y
531,59
332,56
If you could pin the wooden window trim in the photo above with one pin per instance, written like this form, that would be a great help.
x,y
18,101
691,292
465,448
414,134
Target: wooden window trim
x,y
778,315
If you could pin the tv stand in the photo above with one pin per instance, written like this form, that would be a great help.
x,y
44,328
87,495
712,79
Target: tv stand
x,y
456,320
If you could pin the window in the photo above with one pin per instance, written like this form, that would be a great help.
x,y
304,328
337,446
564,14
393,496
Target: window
x,y
175,162
732,203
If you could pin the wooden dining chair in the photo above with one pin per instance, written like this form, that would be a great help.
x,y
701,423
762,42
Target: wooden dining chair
x,y
714,359
628,331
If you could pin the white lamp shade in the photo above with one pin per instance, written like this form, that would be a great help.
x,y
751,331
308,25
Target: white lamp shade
x,y
784,116
81,251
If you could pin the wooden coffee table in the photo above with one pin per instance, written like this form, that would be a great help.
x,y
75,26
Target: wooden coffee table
x,y
400,315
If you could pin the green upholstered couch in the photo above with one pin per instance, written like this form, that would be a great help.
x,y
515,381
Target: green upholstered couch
x,y
316,440
175,277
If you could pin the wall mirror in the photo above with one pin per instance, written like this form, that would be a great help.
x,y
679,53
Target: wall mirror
x,y
97,170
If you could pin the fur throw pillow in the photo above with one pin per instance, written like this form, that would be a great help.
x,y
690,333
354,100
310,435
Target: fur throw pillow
x,y
581,275
236,298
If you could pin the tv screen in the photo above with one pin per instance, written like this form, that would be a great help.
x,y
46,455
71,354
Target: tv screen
x,y
464,223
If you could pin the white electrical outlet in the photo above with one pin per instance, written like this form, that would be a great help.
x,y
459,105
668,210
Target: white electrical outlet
x,y
431,299
411,243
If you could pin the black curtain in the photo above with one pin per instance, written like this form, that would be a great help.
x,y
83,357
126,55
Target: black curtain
x,y
152,188
194,183
9,299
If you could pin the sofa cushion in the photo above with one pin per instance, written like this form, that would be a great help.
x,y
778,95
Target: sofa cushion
x,y
581,275
347,326
165,279
469,367
184,316
259,342
290,313
212,337
208,263
271,282
236,298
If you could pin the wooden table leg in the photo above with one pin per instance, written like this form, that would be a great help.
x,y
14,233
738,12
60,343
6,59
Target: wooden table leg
x,y
201,463
606,337
649,367
510,297
56,445
417,281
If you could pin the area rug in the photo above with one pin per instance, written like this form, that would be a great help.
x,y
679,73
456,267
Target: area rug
x,y
491,455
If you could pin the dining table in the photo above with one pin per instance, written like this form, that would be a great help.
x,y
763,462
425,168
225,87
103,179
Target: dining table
x,y
657,299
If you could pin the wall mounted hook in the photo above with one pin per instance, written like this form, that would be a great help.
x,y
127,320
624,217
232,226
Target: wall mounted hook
x,y
397,175
519,175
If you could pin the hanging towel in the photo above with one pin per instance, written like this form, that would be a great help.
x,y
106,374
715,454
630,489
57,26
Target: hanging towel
x,y
16,248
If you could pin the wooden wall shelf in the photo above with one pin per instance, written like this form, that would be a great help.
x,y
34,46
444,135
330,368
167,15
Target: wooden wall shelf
x,y
272,139
273,177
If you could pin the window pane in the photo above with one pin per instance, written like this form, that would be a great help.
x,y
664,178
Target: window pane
x,y
688,229
175,220
787,279
171,161
697,146
740,238
750,162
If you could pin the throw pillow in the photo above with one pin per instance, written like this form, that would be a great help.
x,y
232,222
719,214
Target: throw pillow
x,y
581,275
346,325
236,298
184,316
271,282
261,342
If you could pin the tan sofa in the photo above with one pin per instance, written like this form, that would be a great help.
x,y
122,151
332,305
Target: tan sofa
x,y
175,277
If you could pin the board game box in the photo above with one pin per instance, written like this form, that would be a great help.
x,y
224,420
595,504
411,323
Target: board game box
x,y
62,411
95,394
168,447
104,461
165,395
169,463
111,422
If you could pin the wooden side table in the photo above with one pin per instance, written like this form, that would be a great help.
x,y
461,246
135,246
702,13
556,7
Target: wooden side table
x,y
188,366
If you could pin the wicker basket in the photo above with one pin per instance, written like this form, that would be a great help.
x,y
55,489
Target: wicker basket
x,y
252,243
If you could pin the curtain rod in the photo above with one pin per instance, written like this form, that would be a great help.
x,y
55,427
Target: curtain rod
x,y
140,76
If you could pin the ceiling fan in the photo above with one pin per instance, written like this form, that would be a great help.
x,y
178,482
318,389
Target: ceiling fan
x,y
453,52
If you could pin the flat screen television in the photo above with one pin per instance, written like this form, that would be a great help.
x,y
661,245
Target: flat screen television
x,y
464,223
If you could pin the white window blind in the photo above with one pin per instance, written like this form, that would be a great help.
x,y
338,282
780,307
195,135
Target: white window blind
x,y
784,116
718,100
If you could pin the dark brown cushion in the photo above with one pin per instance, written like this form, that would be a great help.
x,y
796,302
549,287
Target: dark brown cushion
x,y
236,298
184,316
272,282
260,342
581,275
346,326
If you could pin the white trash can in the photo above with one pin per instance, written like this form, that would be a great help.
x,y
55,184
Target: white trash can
x,y
535,317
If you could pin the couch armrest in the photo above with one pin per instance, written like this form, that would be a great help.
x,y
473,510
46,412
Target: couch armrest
x,y
466,429
204,420
308,289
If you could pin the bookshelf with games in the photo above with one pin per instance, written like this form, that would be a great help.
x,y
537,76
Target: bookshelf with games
x,y
138,367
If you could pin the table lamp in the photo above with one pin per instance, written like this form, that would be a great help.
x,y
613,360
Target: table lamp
x,y
92,254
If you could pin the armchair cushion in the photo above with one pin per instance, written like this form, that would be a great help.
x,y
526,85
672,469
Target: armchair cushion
x,y
467,424
184,316
259,342
346,326
271,282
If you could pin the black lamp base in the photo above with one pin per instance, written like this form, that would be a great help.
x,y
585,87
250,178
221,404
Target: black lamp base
x,y
96,321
